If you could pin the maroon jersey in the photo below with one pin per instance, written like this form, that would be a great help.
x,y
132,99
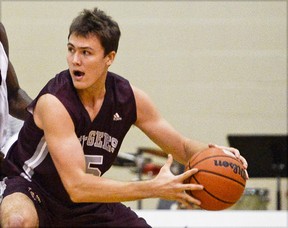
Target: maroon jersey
x,y
101,139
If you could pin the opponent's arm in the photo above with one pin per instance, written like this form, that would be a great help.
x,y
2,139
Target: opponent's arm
x,y
68,157
17,98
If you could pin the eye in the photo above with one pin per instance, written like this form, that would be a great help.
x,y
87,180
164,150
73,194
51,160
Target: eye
x,y
71,49
85,52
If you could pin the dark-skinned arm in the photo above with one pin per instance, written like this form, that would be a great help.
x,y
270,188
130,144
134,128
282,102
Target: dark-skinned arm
x,y
18,99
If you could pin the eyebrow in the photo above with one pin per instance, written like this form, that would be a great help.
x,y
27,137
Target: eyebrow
x,y
70,44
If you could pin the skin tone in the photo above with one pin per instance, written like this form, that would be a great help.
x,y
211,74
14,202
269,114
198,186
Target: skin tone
x,y
88,67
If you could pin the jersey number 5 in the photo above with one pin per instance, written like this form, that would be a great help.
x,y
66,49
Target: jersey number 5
x,y
92,161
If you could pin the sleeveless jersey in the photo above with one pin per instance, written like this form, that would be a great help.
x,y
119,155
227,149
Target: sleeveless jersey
x,y
100,139
4,108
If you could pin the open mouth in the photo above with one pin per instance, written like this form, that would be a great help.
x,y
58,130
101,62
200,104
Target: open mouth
x,y
78,73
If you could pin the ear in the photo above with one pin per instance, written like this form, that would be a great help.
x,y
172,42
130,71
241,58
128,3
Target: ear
x,y
110,58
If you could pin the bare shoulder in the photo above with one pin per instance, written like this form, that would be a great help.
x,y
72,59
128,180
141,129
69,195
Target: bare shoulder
x,y
47,100
140,96
50,105
146,109
49,109
136,90
144,103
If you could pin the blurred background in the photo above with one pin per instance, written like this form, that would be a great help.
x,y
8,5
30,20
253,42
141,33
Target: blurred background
x,y
216,70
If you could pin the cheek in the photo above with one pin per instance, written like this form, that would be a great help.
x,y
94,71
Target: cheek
x,y
68,59
95,65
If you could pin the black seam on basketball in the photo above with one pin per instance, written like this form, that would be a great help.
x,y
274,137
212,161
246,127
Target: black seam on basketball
x,y
221,175
209,193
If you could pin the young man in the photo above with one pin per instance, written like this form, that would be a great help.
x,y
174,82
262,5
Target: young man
x,y
75,130
13,99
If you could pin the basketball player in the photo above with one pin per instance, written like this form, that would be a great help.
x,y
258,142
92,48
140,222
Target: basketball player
x,y
13,99
73,134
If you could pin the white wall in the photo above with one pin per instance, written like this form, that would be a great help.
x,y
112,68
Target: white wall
x,y
212,67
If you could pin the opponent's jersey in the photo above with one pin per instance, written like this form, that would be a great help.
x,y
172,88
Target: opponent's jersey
x,y
4,108
100,139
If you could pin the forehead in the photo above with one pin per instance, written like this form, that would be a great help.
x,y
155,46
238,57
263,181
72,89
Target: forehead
x,y
89,41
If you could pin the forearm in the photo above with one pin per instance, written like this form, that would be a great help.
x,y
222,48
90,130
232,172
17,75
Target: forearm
x,y
100,189
192,147
172,142
18,104
17,97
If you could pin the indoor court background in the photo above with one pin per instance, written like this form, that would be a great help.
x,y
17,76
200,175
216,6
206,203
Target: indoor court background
x,y
213,68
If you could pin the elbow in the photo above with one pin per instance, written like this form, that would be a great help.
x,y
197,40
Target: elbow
x,y
75,197
74,191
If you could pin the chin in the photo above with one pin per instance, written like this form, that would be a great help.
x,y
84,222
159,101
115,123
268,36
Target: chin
x,y
78,85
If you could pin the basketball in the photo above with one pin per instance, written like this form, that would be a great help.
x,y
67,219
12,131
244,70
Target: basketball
x,y
222,176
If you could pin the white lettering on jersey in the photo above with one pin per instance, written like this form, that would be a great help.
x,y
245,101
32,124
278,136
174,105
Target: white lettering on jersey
x,y
100,140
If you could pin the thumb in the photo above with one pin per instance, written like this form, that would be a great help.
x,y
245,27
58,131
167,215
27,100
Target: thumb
x,y
169,161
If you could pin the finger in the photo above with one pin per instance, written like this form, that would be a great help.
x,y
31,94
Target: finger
x,y
237,155
247,176
231,149
235,152
188,173
187,205
210,145
244,162
193,187
188,200
169,160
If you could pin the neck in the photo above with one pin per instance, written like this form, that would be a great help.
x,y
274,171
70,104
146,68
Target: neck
x,y
92,99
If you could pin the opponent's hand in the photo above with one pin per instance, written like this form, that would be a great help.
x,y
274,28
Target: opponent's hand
x,y
172,187
237,155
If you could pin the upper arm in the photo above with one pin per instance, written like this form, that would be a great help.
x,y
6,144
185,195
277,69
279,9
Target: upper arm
x,y
51,116
17,98
4,39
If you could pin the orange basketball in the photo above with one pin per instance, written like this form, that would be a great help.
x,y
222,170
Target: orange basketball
x,y
222,176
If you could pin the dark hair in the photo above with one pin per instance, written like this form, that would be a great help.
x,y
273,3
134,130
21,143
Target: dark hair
x,y
97,22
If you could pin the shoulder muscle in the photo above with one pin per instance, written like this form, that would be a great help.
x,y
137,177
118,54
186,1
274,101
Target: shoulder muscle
x,y
50,113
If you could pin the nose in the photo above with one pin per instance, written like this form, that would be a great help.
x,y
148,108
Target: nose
x,y
76,60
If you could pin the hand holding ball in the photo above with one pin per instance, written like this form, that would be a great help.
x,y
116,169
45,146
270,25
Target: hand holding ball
x,y
221,174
